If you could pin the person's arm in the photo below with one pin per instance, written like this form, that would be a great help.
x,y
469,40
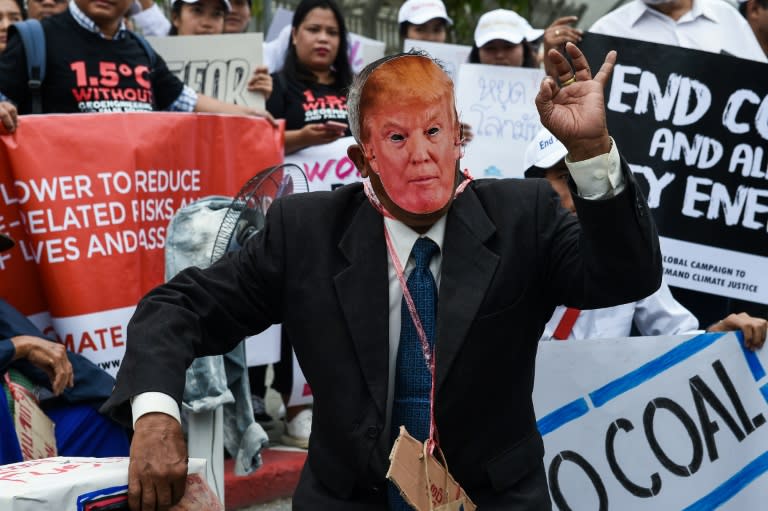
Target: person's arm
x,y
151,20
211,105
310,135
49,356
13,82
754,329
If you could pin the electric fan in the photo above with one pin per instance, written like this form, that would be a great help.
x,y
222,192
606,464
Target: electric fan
x,y
247,212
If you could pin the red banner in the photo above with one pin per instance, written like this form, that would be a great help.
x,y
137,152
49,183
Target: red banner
x,y
88,199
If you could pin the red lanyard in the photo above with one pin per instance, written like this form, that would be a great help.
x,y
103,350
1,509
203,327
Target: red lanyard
x,y
429,353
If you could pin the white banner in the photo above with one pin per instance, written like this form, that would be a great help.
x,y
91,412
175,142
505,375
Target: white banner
x,y
715,270
498,103
326,166
215,65
451,56
667,423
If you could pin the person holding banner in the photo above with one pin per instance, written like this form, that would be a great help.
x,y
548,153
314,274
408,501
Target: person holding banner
x,y
310,90
658,314
94,64
708,25
11,11
500,254
503,38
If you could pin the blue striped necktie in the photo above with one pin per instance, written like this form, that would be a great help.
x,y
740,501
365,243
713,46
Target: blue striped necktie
x,y
413,381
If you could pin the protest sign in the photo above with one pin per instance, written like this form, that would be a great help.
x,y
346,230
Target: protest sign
x,y
451,56
694,128
363,50
88,484
90,212
498,103
326,166
654,423
215,65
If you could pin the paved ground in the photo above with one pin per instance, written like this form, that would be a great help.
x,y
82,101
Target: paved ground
x,y
278,505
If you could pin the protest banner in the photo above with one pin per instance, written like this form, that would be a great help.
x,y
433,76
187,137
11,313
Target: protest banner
x,y
451,56
498,103
694,128
363,50
675,422
326,166
215,65
89,484
90,212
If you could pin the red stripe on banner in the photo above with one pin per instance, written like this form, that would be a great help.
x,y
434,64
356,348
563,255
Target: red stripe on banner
x,y
565,326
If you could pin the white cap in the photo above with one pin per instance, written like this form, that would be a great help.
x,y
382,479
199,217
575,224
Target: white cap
x,y
225,2
543,152
421,11
505,25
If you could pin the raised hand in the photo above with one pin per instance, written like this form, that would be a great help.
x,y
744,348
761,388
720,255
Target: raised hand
x,y
574,111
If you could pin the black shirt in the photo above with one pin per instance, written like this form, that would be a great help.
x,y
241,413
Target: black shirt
x,y
86,73
301,103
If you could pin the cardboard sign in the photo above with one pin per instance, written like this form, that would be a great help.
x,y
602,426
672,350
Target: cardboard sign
x,y
498,103
34,429
654,423
216,65
424,482
692,126
89,213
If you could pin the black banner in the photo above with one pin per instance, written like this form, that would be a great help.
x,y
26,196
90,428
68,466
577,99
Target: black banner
x,y
694,127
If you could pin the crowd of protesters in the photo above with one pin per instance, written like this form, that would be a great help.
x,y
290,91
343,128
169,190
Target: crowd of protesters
x,y
313,70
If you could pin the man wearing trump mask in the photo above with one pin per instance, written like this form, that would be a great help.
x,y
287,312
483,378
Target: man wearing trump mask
x,y
411,296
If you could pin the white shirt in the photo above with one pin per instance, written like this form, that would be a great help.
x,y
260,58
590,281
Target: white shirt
x,y
658,314
595,178
152,22
710,25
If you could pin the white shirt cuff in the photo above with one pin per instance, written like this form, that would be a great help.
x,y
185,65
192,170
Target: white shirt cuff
x,y
599,177
149,402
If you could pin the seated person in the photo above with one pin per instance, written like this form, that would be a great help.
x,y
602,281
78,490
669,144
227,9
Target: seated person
x,y
72,389
658,314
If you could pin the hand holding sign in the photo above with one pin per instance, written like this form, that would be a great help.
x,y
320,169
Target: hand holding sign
x,y
575,111
8,116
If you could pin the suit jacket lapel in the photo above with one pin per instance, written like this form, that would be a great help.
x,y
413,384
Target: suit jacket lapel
x,y
362,289
467,269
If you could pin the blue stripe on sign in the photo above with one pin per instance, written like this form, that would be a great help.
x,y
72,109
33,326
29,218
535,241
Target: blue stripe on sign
x,y
764,391
758,372
562,416
87,497
653,368
732,486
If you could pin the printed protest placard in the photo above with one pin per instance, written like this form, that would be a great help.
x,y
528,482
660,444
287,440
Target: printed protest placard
x,y
654,423
90,213
215,65
498,103
326,166
451,56
693,127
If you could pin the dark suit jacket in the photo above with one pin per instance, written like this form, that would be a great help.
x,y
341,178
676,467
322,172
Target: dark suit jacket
x,y
510,255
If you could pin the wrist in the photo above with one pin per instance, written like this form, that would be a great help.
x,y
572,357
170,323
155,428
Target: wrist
x,y
586,149
20,346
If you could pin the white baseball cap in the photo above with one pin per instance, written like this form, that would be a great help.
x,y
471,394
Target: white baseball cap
x,y
543,152
421,11
225,2
505,25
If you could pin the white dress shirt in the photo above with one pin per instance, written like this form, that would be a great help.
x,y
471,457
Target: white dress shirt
x,y
658,314
600,177
710,25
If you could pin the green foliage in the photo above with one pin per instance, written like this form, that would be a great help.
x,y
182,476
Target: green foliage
x,y
465,14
